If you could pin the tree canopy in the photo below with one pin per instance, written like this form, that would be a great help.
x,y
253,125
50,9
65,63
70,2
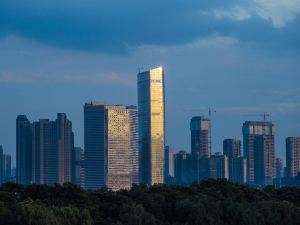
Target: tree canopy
x,y
212,202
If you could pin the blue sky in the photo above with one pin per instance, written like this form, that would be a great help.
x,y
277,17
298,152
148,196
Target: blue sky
x,y
238,57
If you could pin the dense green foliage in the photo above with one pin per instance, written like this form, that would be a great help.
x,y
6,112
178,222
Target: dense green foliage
x,y
211,202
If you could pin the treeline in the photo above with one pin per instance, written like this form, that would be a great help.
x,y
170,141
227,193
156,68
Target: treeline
x,y
210,202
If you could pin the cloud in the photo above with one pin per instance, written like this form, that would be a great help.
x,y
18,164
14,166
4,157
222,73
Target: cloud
x,y
278,12
116,27
105,78
214,41
237,13
9,77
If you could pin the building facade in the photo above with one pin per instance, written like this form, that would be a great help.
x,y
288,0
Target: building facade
x,y
151,116
95,143
279,168
169,164
232,149
218,166
111,146
199,127
65,145
78,167
23,150
52,145
263,133
264,160
239,165
122,147
184,170
292,156
7,176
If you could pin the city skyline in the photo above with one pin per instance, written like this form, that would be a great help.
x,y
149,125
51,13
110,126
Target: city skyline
x,y
240,58
125,145
281,155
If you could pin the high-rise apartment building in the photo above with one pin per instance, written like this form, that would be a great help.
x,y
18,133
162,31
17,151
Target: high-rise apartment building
x,y
199,127
151,114
52,143
218,166
65,144
239,166
23,150
184,170
169,163
264,160
263,134
232,149
111,146
292,156
7,168
279,168
78,167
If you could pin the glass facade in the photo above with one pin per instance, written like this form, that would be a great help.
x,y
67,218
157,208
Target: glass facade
x,y
151,106
199,127
111,146
24,151
121,151
95,145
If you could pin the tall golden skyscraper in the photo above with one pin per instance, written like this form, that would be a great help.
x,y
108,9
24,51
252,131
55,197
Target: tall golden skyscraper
x,y
151,113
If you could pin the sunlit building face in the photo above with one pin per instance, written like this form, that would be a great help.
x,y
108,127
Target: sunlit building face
x,y
111,146
151,106
122,148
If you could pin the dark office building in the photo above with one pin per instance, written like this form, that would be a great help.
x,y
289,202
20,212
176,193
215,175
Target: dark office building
x,y
7,168
52,143
78,166
184,168
239,165
23,150
263,134
292,156
264,160
232,149
199,127
95,145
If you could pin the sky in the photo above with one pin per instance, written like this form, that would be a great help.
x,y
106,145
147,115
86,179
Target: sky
x,y
241,58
